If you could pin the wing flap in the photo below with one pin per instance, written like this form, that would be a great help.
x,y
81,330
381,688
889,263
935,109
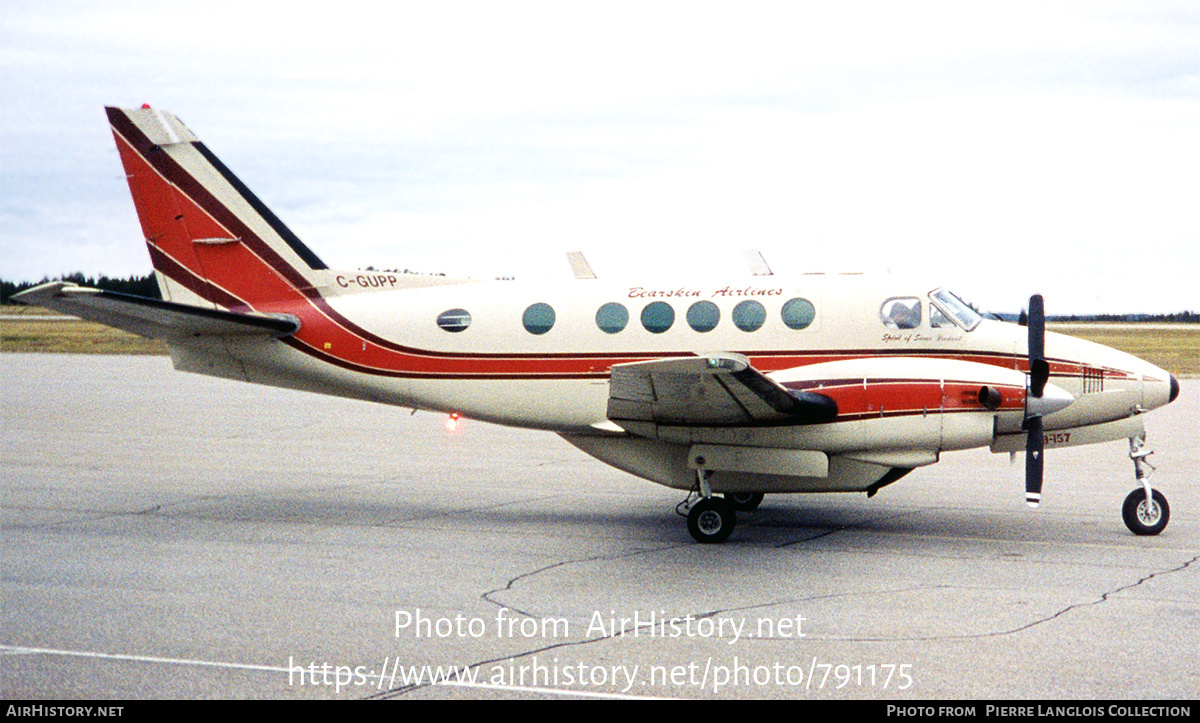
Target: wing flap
x,y
710,390
152,318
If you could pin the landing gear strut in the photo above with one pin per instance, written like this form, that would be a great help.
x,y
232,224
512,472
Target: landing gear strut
x,y
1145,511
711,519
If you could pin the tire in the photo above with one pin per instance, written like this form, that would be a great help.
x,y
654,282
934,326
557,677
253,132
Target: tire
x,y
744,501
1143,519
711,520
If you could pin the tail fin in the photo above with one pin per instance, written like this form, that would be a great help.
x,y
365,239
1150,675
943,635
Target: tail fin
x,y
213,243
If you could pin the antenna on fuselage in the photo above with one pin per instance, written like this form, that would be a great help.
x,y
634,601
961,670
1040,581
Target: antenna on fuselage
x,y
580,266
758,265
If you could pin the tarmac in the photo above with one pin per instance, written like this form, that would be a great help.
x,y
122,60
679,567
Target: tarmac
x,y
167,535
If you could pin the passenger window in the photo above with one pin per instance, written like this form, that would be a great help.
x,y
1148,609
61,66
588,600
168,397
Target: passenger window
x,y
538,318
901,313
454,320
749,315
798,314
657,317
703,316
612,318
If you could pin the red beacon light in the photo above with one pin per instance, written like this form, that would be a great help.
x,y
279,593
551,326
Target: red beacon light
x,y
452,422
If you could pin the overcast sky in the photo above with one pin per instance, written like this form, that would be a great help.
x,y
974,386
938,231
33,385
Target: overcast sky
x,y
1000,148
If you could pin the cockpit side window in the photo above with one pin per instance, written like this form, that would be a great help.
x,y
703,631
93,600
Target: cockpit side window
x,y
901,312
937,319
954,308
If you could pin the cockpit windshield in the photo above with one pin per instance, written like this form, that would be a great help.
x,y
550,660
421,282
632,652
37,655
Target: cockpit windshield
x,y
955,309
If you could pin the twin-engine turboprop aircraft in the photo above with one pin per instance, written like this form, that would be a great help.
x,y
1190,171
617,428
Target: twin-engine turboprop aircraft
x,y
730,388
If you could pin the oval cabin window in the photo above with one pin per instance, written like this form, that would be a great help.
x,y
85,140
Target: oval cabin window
x,y
454,320
749,315
538,318
612,318
703,316
657,317
798,314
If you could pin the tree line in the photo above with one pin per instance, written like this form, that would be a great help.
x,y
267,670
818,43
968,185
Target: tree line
x,y
147,286
1182,317
136,285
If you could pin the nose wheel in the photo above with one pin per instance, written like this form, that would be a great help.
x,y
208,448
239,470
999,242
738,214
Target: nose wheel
x,y
1146,516
1145,511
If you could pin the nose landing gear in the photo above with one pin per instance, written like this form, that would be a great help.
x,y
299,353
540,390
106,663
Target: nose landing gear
x,y
1145,511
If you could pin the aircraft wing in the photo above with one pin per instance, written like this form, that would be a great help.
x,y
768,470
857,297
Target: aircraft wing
x,y
709,390
150,317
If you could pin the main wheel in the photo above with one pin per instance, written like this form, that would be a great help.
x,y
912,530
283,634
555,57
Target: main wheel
x,y
744,501
711,520
1142,518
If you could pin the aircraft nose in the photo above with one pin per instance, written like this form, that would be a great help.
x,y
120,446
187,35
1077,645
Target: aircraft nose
x,y
1174,389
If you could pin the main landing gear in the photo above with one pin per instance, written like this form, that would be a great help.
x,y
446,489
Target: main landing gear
x,y
1145,511
711,519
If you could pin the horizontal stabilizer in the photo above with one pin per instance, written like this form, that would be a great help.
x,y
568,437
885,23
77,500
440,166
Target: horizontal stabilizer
x,y
152,318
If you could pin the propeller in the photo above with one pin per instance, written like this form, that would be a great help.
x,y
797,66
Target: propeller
x,y
1041,398
1039,374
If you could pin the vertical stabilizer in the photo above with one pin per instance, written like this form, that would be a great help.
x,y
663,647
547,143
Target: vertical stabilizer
x,y
211,240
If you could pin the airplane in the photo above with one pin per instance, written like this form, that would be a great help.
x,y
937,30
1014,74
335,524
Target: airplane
x,y
727,388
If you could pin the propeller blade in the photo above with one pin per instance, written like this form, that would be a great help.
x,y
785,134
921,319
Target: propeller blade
x,y
1039,368
1035,443
1039,375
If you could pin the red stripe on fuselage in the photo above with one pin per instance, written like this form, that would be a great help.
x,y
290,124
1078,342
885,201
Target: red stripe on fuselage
x,y
869,398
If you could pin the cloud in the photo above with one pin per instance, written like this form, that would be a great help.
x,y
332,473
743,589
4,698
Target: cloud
x,y
1029,146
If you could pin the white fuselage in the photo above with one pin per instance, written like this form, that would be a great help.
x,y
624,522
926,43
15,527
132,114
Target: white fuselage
x,y
555,377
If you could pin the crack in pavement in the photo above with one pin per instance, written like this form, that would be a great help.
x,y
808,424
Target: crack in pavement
x,y
488,597
1103,597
